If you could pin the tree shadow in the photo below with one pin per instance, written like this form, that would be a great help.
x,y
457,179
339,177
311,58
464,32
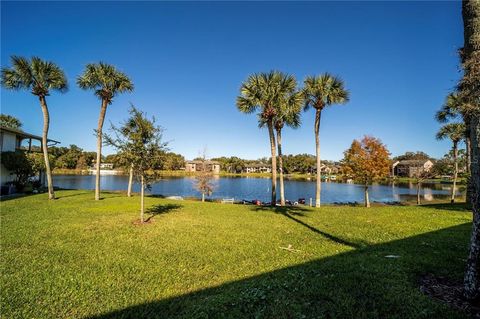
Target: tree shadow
x,y
458,207
291,211
356,284
161,209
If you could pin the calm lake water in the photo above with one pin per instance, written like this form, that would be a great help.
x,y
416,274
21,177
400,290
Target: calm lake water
x,y
250,188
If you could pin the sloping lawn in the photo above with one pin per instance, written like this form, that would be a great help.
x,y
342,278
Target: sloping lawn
x,y
76,258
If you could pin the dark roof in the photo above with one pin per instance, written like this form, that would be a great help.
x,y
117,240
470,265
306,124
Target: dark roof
x,y
413,162
201,162
24,134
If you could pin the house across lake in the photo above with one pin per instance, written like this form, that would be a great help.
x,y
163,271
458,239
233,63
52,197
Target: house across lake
x,y
197,166
411,168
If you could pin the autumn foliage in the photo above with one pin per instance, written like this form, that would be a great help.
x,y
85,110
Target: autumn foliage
x,y
366,161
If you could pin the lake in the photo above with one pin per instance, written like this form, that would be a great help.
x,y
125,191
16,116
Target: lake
x,y
250,188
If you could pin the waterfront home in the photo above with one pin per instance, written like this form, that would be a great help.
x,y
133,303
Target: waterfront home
x,y
257,168
197,166
411,168
12,140
103,165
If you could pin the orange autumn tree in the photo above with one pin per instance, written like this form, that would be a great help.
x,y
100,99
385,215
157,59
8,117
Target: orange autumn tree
x,y
366,161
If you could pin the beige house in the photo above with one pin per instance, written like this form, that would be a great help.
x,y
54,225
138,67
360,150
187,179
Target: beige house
x,y
12,140
411,168
197,166
257,168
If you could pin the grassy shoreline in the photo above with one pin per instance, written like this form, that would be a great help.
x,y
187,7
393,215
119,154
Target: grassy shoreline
x,y
75,257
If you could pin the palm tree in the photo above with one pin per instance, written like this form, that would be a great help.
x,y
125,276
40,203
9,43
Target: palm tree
x,y
455,106
39,77
265,92
455,132
107,82
288,114
319,92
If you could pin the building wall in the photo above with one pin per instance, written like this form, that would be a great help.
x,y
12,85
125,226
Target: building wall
x,y
9,142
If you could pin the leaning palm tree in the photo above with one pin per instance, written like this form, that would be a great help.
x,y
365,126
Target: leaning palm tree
x,y
107,82
455,132
265,92
39,77
288,114
319,92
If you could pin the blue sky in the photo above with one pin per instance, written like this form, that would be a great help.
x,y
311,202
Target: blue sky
x,y
187,61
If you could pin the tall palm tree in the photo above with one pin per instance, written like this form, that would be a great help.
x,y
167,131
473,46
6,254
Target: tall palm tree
x,y
319,92
288,114
265,92
39,77
107,82
455,107
455,132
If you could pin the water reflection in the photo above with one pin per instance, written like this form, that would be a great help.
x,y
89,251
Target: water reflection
x,y
259,188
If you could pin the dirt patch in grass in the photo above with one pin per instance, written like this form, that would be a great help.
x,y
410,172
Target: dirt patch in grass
x,y
450,292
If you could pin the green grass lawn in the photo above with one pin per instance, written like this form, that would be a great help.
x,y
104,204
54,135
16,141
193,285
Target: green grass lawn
x,y
77,258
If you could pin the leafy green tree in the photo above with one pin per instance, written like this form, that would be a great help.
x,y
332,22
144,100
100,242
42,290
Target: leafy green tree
x,y
456,133
20,167
419,155
264,92
10,122
107,82
140,139
319,92
40,78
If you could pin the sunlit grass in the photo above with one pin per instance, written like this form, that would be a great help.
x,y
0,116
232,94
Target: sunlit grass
x,y
75,257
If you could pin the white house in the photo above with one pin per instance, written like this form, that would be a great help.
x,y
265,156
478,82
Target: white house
x,y
12,140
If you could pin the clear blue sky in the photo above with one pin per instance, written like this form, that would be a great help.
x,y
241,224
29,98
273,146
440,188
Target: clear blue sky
x,y
187,61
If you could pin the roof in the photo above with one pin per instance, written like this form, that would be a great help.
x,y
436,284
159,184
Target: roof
x,y
414,162
202,162
24,134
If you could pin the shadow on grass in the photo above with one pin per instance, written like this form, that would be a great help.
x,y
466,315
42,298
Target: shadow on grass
x,y
458,207
357,284
291,211
161,209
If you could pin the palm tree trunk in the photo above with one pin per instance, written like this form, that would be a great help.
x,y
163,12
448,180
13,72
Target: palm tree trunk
x,y
367,200
142,198
203,197
274,163
455,172
468,148
471,20
101,119
130,181
318,115
471,286
280,166
46,124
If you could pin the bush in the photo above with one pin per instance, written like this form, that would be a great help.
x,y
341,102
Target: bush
x,y
23,166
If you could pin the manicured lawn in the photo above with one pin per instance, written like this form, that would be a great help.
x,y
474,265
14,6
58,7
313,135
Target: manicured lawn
x,y
75,258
